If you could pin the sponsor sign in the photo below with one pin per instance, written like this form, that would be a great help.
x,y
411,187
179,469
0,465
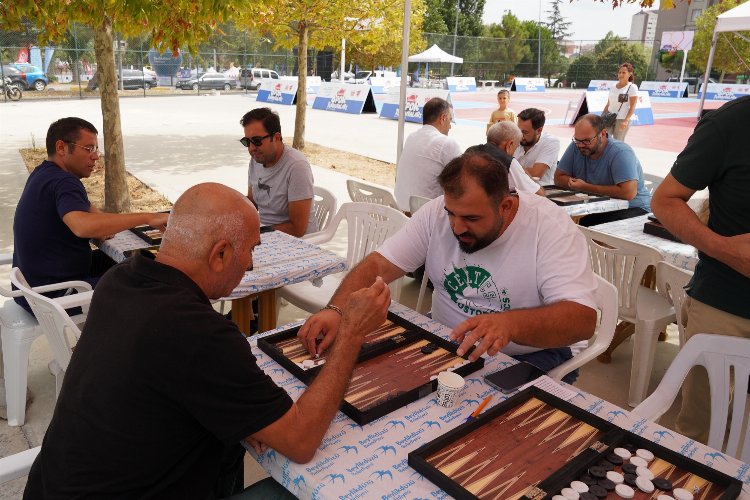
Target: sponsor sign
x,y
527,85
594,102
601,85
344,98
665,89
313,82
382,85
415,101
277,91
461,84
726,91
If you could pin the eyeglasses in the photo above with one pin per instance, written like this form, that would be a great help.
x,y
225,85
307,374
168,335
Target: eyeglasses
x,y
585,142
89,149
255,141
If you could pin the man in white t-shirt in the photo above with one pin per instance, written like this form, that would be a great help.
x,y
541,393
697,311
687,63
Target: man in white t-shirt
x,y
511,272
539,151
279,178
425,153
502,139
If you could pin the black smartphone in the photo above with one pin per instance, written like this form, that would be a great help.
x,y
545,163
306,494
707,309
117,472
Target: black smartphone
x,y
509,379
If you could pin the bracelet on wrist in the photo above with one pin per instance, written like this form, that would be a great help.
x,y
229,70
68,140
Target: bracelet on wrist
x,y
334,308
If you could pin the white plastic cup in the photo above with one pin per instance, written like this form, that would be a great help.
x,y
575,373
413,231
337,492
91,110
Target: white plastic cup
x,y
449,388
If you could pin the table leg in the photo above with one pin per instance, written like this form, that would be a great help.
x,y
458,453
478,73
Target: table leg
x,y
242,313
267,310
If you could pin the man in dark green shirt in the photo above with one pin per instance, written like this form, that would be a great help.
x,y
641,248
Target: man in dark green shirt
x,y
716,157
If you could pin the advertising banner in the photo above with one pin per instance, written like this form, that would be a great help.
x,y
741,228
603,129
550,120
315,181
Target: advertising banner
x,y
527,85
381,84
345,98
277,91
461,84
726,91
313,82
415,101
665,89
601,85
595,101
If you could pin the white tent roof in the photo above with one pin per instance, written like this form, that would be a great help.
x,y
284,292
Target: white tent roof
x,y
435,55
737,19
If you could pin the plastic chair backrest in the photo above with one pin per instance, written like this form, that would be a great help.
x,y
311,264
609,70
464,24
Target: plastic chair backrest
x,y
54,321
726,359
670,282
417,202
651,182
622,263
324,206
361,191
606,302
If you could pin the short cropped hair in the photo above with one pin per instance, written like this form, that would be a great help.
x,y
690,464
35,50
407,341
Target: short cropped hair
x,y
504,131
67,130
535,115
269,118
434,109
476,163
595,121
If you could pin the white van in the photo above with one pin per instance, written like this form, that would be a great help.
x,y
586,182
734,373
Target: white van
x,y
251,78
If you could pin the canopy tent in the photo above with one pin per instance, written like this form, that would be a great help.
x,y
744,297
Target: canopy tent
x,y
435,55
737,19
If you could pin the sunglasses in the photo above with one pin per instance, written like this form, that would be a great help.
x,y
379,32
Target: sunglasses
x,y
255,141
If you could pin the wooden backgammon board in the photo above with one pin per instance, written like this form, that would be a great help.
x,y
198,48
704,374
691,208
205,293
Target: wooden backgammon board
x,y
397,365
655,228
534,445
153,250
565,197
149,234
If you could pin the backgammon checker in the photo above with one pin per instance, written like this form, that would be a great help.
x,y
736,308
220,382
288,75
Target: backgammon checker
x,y
150,235
398,364
537,446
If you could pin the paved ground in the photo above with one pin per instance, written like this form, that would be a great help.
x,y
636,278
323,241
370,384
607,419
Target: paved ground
x,y
172,143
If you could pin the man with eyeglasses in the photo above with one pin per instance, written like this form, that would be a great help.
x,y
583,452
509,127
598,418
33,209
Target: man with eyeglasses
x,y
596,163
54,218
279,180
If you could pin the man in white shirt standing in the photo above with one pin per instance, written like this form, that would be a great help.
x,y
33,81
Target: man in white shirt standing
x,y
539,151
425,153
511,272
502,139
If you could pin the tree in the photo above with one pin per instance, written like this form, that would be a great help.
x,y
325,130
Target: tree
x,y
433,18
559,28
732,53
552,62
320,24
469,18
170,23
512,49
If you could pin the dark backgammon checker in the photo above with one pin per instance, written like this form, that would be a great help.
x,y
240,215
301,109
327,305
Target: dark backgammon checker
x,y
565,197
150,235
534,445
396,366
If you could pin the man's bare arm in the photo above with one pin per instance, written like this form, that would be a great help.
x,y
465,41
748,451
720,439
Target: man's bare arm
x,y
669,204
97,224
561,178
622,191
537,169
299,215
556,325
299,432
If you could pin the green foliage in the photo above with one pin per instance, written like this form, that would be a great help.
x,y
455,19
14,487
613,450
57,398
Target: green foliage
x,y
608,54
552,63
441,17
514,49
559,28
725,58
433,18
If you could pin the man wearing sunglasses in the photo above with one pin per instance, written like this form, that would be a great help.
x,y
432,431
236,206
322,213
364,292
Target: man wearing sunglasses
x,y
597,163
279,180
54,219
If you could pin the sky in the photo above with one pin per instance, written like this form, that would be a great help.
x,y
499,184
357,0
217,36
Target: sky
x,y
591,19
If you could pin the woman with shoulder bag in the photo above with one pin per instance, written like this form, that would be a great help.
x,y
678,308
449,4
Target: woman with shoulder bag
x,y
622,100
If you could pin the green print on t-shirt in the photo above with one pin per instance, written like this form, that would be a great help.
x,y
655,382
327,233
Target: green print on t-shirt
x,y
475,277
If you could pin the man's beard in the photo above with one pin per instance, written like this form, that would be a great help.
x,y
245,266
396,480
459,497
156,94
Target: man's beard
x,y
479,243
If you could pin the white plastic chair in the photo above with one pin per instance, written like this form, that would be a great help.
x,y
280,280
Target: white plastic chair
x,y
57,326
415,203
368,226
324,208
18,331
725,359
622,263
670,282
363,192
606,303
17,465
651,182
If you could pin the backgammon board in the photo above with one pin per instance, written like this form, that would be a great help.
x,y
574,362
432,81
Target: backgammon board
x,y
534,445
397,365
565,197
150,235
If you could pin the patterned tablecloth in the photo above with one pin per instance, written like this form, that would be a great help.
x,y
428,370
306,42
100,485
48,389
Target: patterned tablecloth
x,y
595,207
679,254
370,461
279,260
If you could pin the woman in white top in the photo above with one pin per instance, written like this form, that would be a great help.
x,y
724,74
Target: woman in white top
x,y
622,99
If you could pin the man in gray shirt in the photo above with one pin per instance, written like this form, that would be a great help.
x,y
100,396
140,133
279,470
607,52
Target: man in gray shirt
x,y
279,180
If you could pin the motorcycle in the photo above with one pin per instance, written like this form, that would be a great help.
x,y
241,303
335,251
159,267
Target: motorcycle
x,y
11,90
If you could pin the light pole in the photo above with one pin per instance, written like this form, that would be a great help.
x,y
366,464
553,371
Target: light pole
x,y
455,32
539,43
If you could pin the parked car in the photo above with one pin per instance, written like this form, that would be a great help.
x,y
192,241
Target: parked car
x,y
360,77
132,79
251,78
33,76
208,81
14,74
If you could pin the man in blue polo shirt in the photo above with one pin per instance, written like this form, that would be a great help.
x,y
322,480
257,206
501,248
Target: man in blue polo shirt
x,y
54,219
596,163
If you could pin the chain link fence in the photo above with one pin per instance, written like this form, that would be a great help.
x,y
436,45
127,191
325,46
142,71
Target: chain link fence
x,y
71,64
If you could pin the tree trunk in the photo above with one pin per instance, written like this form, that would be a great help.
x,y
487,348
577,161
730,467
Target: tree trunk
x,y
116,196
299,118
